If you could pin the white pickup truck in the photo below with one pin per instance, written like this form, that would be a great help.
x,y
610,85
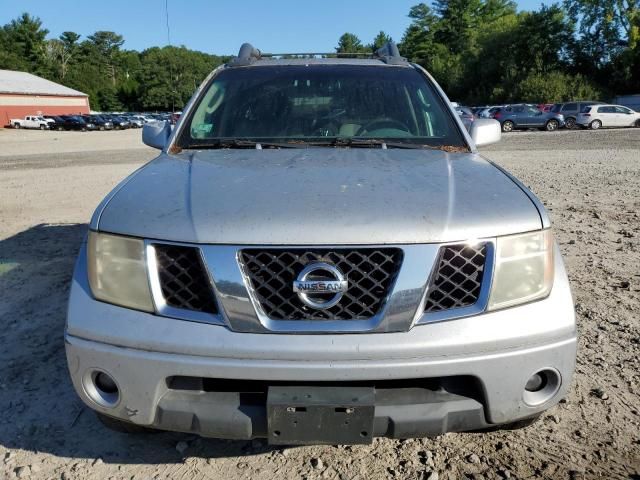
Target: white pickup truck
x,y
30,121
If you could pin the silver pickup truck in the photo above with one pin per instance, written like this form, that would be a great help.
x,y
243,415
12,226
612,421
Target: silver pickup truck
x,y
320,255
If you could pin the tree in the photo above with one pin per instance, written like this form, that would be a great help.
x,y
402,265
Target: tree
x,y
541,40
69,44
60,51
350,43
163,88
608,43
418,40
107,45
459,22
23,44
553,87
380,41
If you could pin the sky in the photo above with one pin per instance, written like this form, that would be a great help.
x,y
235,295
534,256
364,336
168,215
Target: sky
x,y
220,27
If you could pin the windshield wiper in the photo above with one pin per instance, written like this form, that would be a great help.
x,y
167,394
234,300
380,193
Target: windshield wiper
x,y
238,143
370,142
349,142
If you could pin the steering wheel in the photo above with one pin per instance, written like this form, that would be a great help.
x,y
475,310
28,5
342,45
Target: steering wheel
x,y
382,123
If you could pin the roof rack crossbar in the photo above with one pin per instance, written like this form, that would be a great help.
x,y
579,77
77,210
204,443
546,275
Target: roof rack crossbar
x,y
318,54
388,53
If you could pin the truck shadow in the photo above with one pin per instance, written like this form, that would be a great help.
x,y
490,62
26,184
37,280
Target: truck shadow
x,y
39,410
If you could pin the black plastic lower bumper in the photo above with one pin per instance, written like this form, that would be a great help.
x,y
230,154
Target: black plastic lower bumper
x,y
394,412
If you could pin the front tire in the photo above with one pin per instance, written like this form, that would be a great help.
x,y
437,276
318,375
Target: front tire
x,y
595,125
42,127
637,124
121,426
507,126
570,123
552,125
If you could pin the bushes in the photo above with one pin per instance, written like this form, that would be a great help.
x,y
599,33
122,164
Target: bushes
x,y
555,87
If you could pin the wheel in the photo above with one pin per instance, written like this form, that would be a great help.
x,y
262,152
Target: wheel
x,y
102,129
552,125
42,127
570,123
16,125
60,129
83,129
637,124
507,126
122,426
595,125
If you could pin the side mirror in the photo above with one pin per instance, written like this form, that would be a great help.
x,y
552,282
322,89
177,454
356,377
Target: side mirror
x,y
485,131
156,134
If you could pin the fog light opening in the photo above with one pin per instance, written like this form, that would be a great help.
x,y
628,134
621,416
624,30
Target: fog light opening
x,y
105,383
541,386
536,382
102,388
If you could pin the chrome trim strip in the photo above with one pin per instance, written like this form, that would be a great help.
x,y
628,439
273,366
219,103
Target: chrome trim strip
x,y
161,307
483,298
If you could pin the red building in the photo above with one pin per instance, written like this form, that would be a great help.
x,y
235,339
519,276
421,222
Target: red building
x,y
23,94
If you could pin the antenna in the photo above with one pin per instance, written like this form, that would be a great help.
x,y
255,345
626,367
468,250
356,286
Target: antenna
x,y
172,85
166,10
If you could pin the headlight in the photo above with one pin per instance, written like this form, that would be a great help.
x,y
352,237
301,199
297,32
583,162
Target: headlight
x,y
523,269
117,271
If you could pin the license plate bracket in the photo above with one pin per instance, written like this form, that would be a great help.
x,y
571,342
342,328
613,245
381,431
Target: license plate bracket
x,y
320,415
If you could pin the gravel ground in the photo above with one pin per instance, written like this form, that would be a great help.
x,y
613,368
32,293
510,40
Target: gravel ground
x,y
49,185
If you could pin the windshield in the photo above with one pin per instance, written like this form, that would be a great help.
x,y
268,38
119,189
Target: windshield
x,y
320,104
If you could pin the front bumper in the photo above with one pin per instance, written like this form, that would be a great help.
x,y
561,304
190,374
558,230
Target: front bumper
x,y
471,393
474,369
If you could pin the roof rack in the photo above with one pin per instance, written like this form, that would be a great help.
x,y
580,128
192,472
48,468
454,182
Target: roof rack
x,y
390,54
248,54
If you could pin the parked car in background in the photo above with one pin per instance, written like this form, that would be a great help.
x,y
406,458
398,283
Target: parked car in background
x,y
119,123
136,121
76,122
598,116
100,122
30,121
523,116
466,115
55,122
545,107
570,110
490,112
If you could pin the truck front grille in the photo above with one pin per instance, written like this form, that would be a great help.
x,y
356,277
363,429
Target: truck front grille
x,y
370,273
183,278
458,280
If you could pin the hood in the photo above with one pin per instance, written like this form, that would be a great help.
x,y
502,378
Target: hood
x,y
318,196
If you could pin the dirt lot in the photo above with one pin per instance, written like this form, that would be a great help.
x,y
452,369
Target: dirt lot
x,y
590,181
